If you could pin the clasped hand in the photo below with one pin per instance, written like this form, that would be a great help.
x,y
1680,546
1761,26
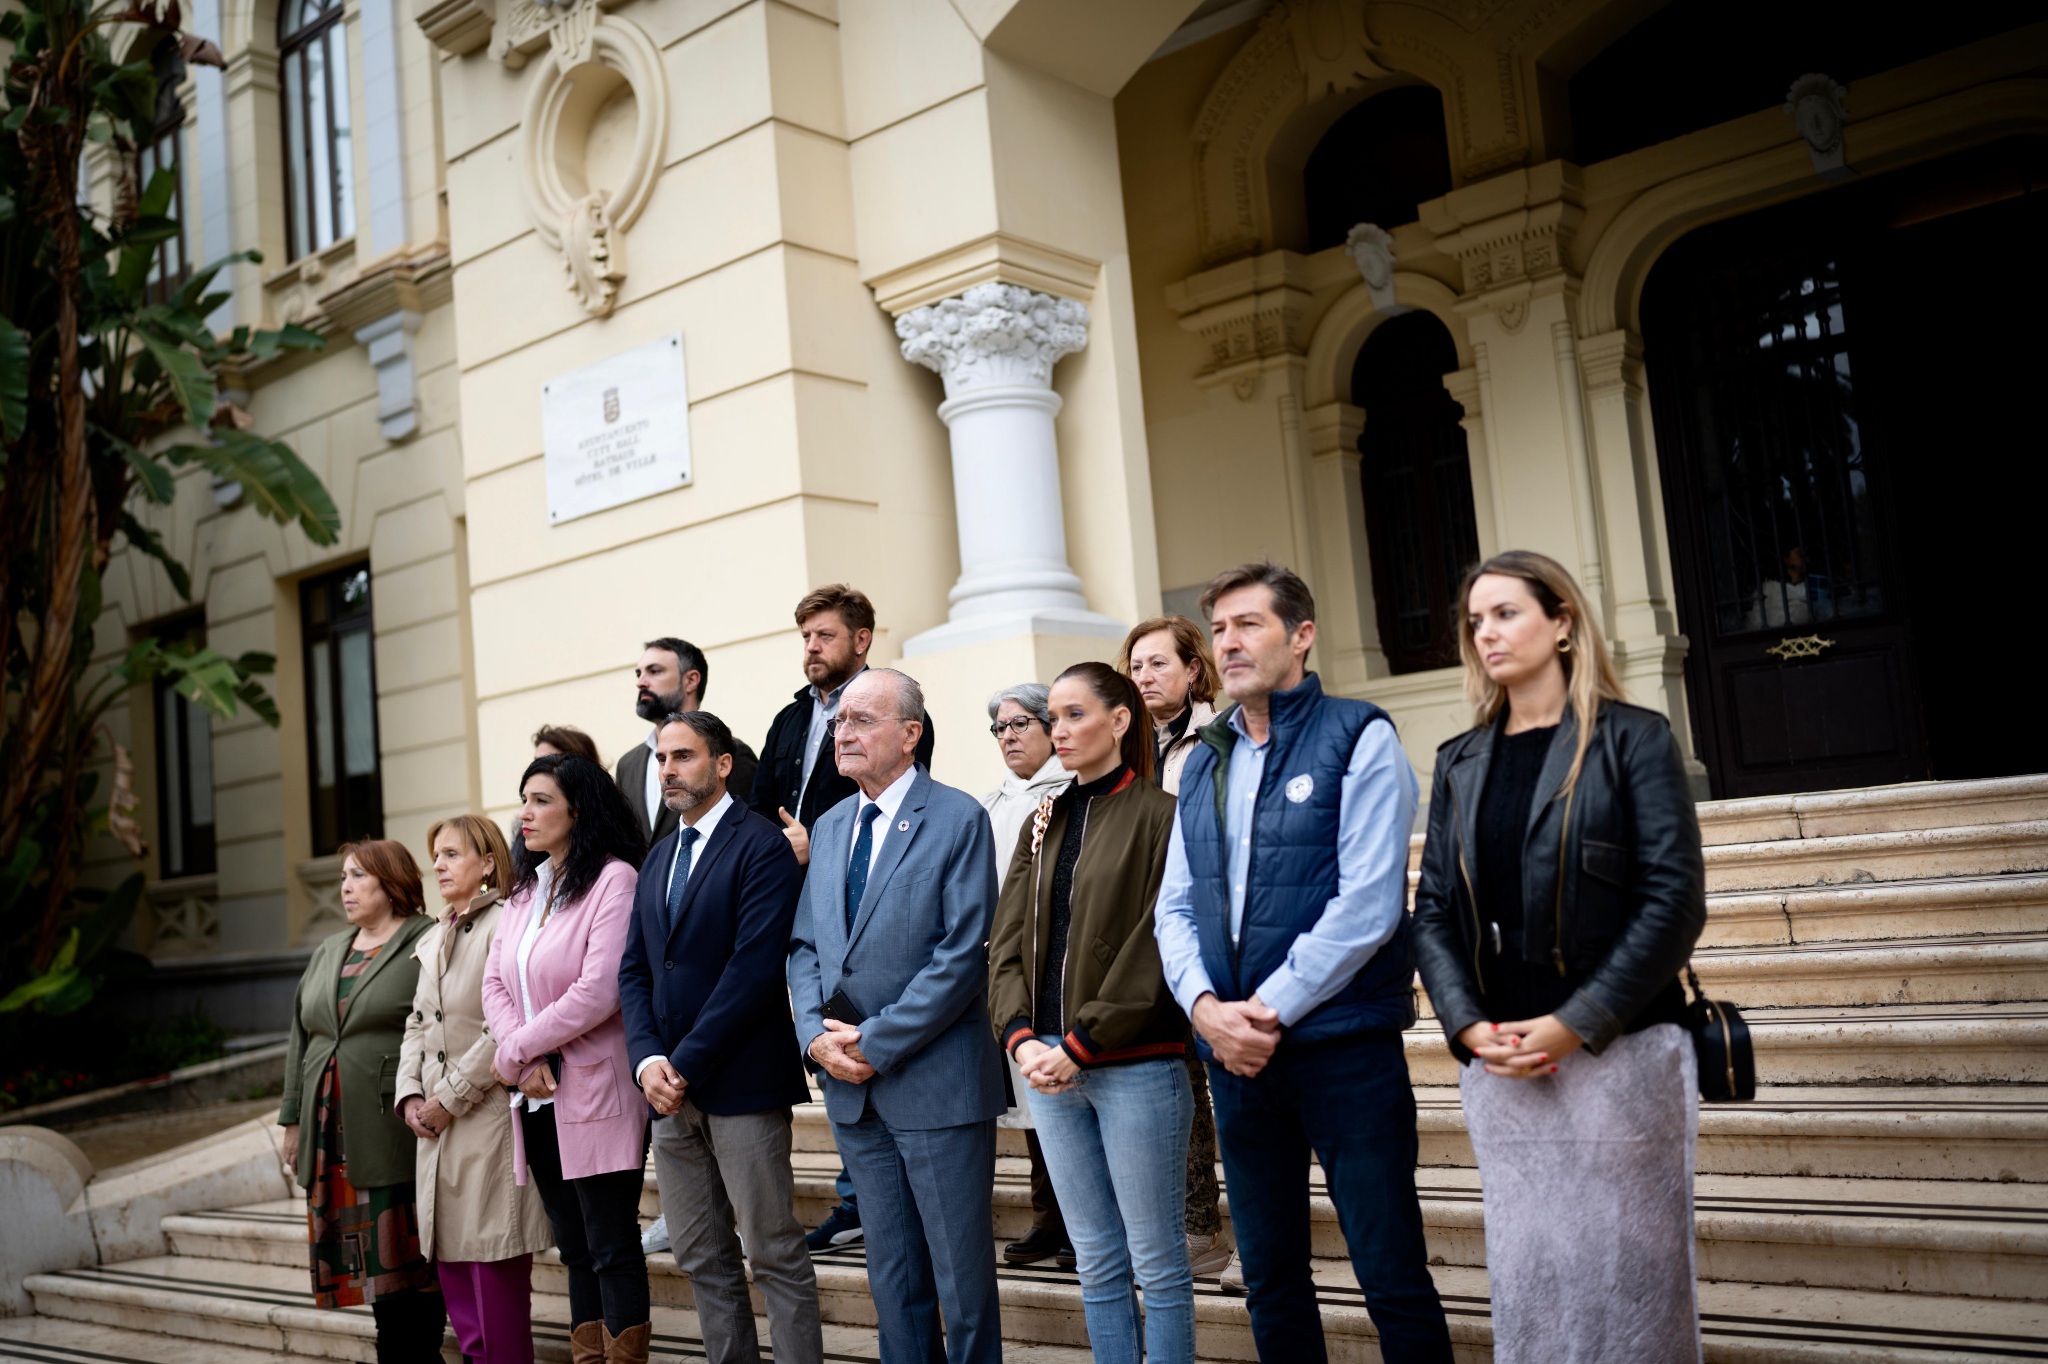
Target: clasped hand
x,y
538,1082
1243,1033
425,1116
837,1049
1517,1051
663,1087
1046,1069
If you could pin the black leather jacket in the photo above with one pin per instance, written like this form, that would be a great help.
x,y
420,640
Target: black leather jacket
x,y
1613,882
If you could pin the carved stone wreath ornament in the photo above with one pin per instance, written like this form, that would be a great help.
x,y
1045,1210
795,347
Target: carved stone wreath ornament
x,y
593,60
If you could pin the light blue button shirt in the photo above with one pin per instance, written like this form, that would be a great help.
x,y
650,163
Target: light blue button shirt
x,y
1376,814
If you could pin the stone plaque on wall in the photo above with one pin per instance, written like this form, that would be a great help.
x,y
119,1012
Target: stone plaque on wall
x,y
616,431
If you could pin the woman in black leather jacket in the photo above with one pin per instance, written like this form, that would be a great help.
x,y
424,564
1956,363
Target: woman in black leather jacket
x,y
1562,891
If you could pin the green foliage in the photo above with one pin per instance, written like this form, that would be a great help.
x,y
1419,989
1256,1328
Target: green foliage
x,y
110,386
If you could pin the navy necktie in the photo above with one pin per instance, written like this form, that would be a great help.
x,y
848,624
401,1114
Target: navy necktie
x,y
857,869
686,837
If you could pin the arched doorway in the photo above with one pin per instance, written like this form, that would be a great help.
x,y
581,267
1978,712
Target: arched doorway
x,y
1850,475
1419,522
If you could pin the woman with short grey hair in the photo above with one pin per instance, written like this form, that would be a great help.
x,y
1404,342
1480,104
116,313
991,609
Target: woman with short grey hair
x,y
1021,721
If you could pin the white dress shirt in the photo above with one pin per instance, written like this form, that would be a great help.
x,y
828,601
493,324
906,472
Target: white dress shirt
x,y
544,885
705,827
652,781
890,800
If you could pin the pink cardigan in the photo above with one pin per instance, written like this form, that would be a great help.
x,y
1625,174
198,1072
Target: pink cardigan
x,y
573,976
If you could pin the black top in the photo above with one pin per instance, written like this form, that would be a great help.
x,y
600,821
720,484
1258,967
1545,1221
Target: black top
x,y
1175,727
1517,989
1048,1015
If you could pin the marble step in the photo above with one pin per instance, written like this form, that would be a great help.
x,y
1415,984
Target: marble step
x,y
1901,1044
186,1310
1953,1132
1878,912
1979,1240
239,1307
1951,850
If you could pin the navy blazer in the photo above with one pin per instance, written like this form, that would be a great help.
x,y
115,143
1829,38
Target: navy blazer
x,y
915,963
711,996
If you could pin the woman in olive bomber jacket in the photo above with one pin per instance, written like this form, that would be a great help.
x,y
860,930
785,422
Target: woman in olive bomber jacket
x,y
1080,1000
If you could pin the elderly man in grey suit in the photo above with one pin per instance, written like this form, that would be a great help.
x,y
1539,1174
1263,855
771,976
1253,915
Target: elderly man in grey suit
x,y
888,972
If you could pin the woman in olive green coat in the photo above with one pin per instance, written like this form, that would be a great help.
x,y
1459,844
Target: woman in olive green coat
x,y
347,1147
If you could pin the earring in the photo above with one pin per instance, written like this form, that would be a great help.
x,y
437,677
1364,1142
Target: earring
x,y
1564,644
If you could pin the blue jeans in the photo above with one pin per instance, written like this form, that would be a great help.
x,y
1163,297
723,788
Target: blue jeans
x,y
1116,1144
1349,1102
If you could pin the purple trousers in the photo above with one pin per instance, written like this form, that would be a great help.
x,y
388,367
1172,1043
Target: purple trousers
x,y
490,1305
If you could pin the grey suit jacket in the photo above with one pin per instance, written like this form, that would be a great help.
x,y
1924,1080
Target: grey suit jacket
x,y
915,963
631,774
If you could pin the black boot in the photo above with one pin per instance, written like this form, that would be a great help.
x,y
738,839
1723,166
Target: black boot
x,y
410,1327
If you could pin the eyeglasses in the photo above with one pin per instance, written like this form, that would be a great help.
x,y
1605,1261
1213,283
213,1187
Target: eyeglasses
x,y
859,723
1019,726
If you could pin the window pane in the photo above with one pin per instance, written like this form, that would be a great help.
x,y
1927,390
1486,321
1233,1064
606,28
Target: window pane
x,y
344,162
171,780
320,222
358,706
299,171
323,715
199,748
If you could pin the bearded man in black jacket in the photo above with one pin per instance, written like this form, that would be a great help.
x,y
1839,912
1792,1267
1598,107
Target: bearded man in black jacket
x,y
798,779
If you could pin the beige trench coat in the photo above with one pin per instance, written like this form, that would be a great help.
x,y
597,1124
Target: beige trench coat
x,y
470,1206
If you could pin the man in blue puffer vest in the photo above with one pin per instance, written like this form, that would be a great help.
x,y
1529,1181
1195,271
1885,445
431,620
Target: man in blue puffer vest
x,y
1283,927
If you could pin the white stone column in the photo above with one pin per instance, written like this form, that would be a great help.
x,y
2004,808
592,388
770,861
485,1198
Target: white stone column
x,y
995,346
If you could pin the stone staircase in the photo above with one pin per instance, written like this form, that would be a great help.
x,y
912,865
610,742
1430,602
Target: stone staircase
x,y
1885,1199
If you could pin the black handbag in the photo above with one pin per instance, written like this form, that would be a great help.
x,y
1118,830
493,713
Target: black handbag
x,y
1720,1040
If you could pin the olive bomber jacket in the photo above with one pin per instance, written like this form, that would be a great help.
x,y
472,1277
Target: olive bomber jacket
x,y
1116,1004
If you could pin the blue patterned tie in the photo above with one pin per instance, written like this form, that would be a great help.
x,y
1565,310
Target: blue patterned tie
x,y
687,837
857,869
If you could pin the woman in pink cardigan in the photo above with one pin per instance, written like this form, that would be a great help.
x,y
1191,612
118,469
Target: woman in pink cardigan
x,y
551,993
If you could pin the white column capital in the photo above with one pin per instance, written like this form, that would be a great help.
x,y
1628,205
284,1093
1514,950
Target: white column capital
x,y
994,335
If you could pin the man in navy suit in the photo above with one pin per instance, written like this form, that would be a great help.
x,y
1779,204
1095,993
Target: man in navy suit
x,y
708,1026
892,935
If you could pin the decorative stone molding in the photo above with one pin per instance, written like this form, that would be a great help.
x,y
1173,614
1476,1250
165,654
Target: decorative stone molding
x,y
996,258
185,915
1816,105
995,347
321,879
993,334
457,27
1509,258
1250,313
388,341
1371,249
597,59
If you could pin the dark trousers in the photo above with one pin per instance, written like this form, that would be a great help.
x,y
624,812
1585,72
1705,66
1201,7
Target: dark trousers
x,y
1045,1204
410,1324
1349,1102
926,1200
596,1221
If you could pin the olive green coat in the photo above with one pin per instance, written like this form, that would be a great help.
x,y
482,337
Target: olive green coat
x,y
378,1146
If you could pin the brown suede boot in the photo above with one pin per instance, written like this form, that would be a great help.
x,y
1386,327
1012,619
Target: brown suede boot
x,y
630,1348
587,1343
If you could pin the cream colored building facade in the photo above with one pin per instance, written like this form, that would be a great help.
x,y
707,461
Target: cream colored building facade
x,y
1011,312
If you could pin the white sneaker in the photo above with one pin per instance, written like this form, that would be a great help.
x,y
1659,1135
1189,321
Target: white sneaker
x,y
654,1240
1231,1280
1208,1255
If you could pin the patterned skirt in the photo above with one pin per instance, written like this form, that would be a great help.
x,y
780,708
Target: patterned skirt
x,y
365,1242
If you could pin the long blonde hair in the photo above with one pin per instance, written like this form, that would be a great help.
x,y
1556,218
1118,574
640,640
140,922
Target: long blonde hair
x,y
1588,668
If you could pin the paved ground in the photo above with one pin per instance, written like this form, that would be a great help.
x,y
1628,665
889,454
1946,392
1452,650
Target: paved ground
x,y
110,1142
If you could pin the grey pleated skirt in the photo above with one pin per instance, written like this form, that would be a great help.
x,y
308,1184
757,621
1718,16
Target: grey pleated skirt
x,y
1587,1181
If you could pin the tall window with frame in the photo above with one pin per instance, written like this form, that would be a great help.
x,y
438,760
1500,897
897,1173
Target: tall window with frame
x,y
184,769
165,151
341,708
319,156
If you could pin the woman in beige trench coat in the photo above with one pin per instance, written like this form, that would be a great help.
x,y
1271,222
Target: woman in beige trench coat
x,y
480,1226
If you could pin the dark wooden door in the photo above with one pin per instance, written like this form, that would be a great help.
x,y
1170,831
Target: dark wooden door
x,y
1801,667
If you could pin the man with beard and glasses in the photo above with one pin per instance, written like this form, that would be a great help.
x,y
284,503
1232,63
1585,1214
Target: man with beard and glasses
x,y
708,1027
671,677
799,778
